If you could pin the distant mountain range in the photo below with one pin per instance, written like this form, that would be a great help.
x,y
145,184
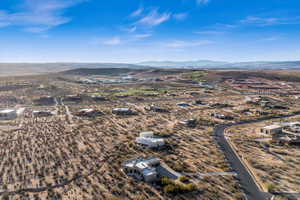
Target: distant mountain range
x,y
16,69
208,64
179,64
13,69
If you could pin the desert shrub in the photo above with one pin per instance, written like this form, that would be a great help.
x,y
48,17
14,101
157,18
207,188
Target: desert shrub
x,y
240,196
271,187
183,179
190,187
170,188
165,181
174,187
112,198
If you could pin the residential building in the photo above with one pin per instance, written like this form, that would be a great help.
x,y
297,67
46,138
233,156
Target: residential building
x,y
122,111
88,112
192,123
271,129
155,108
142,169
8,114
149,140
183,104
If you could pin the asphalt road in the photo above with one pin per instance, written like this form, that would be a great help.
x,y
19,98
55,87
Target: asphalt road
x,y
248,184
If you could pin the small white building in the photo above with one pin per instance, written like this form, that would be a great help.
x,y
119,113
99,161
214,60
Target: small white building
x,y
142,169
148,139
271,129
89,112
8,114
122,111
147,134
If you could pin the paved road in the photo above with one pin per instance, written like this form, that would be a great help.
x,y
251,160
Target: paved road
x,y
252,191
248,184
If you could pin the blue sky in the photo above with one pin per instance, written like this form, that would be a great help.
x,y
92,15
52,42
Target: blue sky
x,y
142,30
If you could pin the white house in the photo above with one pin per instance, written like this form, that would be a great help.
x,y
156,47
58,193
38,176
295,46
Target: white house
x,y
148,139
271,129
288,132
8,114
122,111
142,169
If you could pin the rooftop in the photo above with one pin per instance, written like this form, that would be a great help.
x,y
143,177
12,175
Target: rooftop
x,y
122,109
273,126
146,166
5,111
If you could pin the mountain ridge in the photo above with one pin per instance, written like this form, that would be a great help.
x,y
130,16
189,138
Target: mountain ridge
x,y
16,69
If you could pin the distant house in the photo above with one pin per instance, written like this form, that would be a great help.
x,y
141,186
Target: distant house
x,y
150,94
192,123
292,131
8,114
183,104
194,93
147,139
172,95
222,116
206,85
88,112
142,169
42,113
99,98
275,106
286,133
73,98
46,100
200,102
155,109
220,105
129,78
261,112
272,129
122,111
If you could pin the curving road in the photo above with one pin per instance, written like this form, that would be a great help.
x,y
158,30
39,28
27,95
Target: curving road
x,y
252,191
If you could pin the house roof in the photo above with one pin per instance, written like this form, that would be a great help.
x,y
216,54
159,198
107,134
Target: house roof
x,y
273,126
6,111
86,110
122,109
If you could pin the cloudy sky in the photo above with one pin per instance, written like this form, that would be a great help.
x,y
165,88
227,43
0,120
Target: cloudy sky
x,y
142,30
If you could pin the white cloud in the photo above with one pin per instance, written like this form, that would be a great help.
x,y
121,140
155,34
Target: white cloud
x,y
272,38
131,29
38,15
146,35
182,44
180,16
154,18
36,29
113,41
259,21
202,2
137,12
268,21
210,32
